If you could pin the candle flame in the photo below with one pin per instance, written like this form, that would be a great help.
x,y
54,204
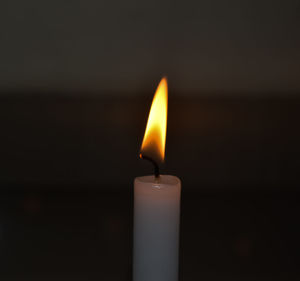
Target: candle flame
x,y
154,140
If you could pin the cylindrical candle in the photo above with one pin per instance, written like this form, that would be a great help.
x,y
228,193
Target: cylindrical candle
x,y
156,228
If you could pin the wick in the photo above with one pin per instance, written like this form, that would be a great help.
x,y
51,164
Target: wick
x,y
156,168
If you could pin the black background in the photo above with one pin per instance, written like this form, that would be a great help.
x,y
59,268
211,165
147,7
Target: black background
x,y
67,170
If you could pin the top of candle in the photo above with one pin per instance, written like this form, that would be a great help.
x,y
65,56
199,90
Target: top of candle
x,y
164,180
154,140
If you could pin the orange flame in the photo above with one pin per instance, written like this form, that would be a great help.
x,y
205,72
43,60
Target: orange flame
x,y
154,141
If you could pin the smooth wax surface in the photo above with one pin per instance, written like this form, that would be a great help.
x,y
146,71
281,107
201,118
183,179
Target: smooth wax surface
x,y
156,228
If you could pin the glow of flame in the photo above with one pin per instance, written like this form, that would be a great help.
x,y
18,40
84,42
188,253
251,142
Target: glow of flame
x,y
154,140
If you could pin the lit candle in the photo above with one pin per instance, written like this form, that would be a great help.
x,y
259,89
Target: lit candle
x,y
156,203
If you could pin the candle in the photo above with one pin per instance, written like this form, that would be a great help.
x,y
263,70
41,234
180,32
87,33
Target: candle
x,y
156,204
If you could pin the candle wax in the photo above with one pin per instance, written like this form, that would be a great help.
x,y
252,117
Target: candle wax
x,y
156,228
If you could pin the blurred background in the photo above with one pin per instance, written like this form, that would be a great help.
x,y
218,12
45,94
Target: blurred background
x,y
76,84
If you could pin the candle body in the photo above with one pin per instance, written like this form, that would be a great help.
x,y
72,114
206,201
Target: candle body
x,y
156,228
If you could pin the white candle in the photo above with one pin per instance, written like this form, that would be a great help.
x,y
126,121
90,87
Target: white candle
x,y
156,228
156,204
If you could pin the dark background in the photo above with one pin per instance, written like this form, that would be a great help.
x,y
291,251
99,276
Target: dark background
x,y
76,84
123,46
